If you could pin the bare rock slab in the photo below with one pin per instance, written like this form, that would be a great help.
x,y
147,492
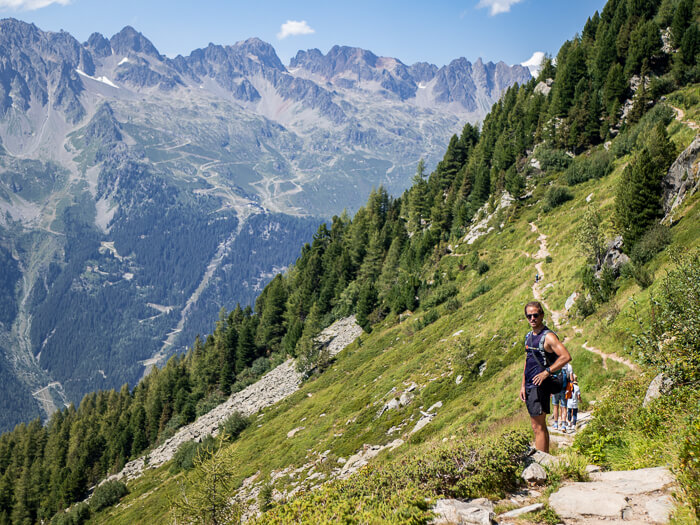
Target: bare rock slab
x,y
587,499
457,512
631,482
641,496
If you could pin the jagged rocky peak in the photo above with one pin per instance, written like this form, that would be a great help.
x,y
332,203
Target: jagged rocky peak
x,y
342,59
128,40
260,51
423,71
347,67
98,45
476,85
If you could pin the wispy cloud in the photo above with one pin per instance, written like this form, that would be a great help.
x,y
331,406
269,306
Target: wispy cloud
x,y
497,6
294,28
29,5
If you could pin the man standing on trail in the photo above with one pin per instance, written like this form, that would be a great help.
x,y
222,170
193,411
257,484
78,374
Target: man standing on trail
x,y
545,355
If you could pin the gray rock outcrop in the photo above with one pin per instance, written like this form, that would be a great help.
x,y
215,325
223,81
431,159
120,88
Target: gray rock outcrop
x,y
613,258
273,387
658,386
682,178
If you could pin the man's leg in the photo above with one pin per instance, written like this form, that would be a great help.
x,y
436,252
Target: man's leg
x,y
555,415
539,427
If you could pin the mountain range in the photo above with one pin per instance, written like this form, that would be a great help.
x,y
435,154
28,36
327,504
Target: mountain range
x,y
139,194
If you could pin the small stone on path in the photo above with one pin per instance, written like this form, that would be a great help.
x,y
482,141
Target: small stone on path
x,y
523,510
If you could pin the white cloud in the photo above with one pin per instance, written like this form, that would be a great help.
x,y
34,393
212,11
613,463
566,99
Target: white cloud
x,y
497,6
29,5
293,28
534,64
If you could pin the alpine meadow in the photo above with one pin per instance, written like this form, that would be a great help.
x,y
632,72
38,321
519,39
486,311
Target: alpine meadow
x,y
376,378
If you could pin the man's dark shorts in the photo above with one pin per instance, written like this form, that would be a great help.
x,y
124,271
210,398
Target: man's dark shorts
x,y
537,401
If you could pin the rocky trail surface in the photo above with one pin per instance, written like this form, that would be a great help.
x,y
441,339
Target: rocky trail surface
x,y
680,117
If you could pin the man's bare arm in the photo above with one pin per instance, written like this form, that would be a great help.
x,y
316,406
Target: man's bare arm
x,y
552,344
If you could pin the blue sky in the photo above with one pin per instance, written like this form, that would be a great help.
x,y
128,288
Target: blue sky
x,y
436,32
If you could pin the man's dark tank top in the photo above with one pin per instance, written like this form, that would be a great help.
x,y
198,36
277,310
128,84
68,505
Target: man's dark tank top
x,y
533,365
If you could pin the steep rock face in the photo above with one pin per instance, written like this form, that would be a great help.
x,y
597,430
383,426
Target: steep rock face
x,y
473,85
683,177
128,41
34,63
98,45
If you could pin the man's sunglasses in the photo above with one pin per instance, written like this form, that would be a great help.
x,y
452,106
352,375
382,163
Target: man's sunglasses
x,y
532,316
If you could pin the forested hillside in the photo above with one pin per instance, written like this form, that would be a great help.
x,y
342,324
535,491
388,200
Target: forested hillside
x,y
598,119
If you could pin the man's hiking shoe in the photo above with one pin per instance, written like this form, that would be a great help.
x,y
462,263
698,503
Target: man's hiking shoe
x,y
555,425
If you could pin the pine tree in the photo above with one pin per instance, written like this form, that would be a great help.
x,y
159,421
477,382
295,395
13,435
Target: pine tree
x,y
206,494
645,44
271,327
682,19
366,304
638,198
246,351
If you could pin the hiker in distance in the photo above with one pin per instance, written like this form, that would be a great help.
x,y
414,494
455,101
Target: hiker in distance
x,y
545,356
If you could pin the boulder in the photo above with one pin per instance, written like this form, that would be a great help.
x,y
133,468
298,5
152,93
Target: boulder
x,y
613,258
534,473
543,458
456,512
658,386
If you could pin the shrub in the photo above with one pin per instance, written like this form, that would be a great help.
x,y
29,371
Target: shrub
x,y
556,196
213,400
633,137
548,259
480,290
482,267
474,468
439,295
260,366
670,343
651,243
689,467
428,318
234,425
552,159
107,494
401,492
186,454
637,272
77,515
595,166
583,307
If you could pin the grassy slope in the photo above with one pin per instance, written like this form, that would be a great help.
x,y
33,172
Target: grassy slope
x,y
338,408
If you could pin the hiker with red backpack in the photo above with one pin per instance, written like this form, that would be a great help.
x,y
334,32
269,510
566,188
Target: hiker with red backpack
x,y
545,357
573,396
